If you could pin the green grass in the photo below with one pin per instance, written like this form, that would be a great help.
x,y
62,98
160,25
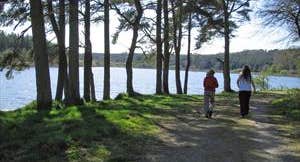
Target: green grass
x,y
289,105
113,130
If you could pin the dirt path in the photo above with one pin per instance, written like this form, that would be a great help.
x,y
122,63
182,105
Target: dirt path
x,y
226,138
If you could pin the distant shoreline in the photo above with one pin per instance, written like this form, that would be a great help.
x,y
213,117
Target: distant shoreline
x,y
234,71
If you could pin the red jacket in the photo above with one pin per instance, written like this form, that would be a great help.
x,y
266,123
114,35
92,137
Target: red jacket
x,y
210,83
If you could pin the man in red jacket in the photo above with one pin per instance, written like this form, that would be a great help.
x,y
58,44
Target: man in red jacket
x,y
210,84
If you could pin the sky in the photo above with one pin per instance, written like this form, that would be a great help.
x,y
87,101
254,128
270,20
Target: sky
x,y
250,35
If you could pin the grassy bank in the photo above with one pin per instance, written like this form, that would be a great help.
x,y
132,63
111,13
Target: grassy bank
x,y
115,130
289,104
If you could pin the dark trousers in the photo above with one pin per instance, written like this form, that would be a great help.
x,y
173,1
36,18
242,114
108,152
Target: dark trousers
x,y
244,97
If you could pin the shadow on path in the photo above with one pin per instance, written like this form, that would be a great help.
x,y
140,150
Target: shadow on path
x,y
225,138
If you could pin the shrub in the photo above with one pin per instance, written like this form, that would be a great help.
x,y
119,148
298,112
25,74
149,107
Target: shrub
x,y
262,80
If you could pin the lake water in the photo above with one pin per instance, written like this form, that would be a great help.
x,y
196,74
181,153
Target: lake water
x,y
21,90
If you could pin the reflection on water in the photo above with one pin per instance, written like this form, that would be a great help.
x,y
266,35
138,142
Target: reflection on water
x,y
21,90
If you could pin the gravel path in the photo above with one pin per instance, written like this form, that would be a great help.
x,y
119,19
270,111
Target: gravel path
x,y
190,137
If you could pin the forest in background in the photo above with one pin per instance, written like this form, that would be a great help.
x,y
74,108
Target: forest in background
x,y
280,62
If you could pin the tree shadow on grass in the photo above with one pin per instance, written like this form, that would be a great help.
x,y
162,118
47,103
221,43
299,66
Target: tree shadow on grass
x,y
122,144
121,131
154,105
71,134
28,138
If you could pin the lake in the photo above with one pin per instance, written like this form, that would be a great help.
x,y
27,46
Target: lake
x,y
21,90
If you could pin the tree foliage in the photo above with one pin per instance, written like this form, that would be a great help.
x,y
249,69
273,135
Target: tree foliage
x,y
16,53
16,14
282,14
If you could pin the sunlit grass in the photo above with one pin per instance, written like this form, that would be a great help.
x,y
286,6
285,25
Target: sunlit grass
x,y
113,130
289,105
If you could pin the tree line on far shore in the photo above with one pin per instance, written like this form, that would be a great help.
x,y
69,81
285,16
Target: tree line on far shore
x,y
279,62
173,18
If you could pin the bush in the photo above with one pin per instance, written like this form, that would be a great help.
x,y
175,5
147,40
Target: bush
x,y
283,72
262,81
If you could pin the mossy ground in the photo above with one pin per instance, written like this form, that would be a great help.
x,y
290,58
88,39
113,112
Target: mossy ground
x,y
125,129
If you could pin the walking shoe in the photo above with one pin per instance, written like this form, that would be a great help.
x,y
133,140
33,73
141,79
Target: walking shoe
x,y
210,114
207,115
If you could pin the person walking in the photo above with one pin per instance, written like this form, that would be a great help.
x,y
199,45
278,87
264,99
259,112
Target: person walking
x,y
244,83
210,84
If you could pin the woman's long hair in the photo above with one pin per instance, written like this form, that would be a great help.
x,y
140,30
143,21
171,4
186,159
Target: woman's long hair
x,y
246,73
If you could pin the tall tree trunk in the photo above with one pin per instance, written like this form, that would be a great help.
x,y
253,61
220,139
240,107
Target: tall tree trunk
x,y
63,57
60,77
177,43
59,30
158,49
129,60
44,96
297,23
188,62
74,53
93,94
226,68
60,81
106,90
166,48
88,54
